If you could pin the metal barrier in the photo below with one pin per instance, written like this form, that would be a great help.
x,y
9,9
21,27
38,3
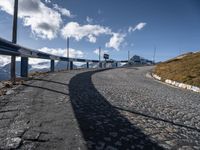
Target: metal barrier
x,y
8,48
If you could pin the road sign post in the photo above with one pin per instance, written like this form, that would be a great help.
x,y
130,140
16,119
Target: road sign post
x,y
105,56
68,53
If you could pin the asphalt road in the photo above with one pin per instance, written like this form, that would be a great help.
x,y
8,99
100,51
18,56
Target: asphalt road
x,y
99,109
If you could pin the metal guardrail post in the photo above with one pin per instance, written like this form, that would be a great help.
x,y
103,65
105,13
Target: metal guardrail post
x,y
88,65
100,64
24,67
13,68
71,65
52,65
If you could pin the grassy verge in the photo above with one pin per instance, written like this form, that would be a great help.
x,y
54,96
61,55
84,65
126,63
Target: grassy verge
x,y
185,69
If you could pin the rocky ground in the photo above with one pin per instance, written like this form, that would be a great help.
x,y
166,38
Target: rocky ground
x,y
99,109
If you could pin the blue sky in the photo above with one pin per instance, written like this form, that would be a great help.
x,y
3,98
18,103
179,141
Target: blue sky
x,y
172,26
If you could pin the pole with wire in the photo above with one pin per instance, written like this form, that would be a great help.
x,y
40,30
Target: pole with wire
x,y
99,56
128,55
68,52
154,55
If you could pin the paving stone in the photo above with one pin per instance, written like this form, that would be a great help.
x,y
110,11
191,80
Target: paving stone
x,y
13,143
31,135
111,109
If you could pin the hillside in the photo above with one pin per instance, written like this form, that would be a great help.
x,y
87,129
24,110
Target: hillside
x,y
184,68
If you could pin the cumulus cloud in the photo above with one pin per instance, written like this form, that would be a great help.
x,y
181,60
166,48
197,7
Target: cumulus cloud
x,y
47,1
116,40
90,32
63,11
63,52
96,51
43,21
139,26
4,60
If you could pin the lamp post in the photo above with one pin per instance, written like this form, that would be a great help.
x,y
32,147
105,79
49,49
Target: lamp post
x,y
100,57
128,55
14,40
154,55
68,52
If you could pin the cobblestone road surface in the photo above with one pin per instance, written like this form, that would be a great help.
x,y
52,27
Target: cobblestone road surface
x,y
99,109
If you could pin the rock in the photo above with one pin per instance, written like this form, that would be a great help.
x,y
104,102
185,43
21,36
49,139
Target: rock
x,y
1,85
8,84
10,92
13,143
31,135
196,89
156,77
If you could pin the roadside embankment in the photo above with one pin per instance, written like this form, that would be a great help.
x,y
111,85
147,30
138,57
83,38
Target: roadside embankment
x,y
182,71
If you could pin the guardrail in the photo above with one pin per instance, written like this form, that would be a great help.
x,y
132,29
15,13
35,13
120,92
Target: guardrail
x,y
8,48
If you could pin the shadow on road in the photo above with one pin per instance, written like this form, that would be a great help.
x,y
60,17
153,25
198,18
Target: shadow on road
x,y
51,81
102,126
44,88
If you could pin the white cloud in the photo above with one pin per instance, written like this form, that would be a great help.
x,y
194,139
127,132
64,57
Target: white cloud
x,y
89,20
47,1
43,21
62,52
63,11
96,51
116,40
137,27
4,60
90,32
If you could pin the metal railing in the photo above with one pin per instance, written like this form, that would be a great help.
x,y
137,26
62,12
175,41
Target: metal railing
x,y
10,49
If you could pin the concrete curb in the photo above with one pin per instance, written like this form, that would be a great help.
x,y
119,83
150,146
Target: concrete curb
x,y
177,84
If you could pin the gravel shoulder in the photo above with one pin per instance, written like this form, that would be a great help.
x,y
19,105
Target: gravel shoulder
x,y
99,109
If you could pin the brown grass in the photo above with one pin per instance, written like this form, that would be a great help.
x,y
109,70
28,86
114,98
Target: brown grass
x,y
185,69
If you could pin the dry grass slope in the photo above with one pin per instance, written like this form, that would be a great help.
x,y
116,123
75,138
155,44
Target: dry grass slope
x,y
184,69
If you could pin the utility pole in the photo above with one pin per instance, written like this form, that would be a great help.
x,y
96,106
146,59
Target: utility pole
x,y
99,53
14,40
128,55
99,56
154,55
68,52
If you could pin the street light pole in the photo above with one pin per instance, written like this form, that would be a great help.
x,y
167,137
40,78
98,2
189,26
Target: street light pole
x,y
99,56
128,55
68,52
154,54
14,40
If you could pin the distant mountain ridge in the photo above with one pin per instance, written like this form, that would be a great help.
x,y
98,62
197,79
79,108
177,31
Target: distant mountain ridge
x,y
40,67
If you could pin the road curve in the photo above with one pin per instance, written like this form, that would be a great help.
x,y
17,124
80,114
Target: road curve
x,y
100,109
